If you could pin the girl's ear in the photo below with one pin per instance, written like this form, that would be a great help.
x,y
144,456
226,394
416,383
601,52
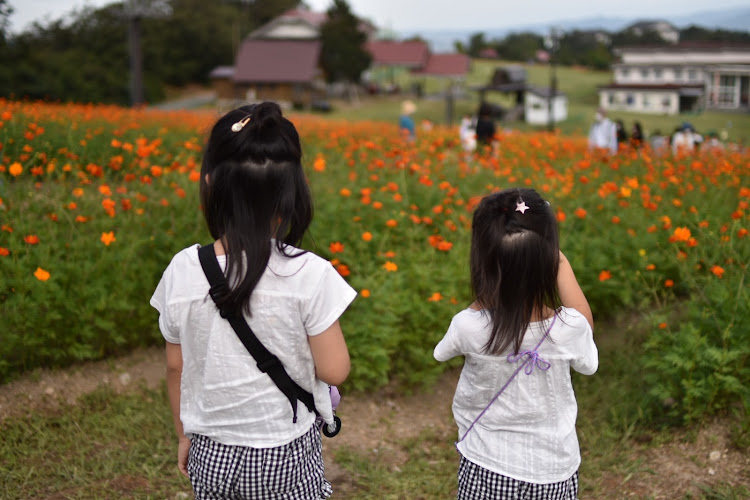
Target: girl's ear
x,y
207,179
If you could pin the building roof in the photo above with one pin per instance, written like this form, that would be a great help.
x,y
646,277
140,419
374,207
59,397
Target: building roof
x,y
222,72
454,65
277,61
544,92
687,46
412,54
667,87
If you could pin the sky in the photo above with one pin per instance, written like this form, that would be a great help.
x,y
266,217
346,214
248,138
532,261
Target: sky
x,y
413,15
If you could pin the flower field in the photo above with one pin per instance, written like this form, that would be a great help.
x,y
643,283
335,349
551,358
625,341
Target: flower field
x,y
95,200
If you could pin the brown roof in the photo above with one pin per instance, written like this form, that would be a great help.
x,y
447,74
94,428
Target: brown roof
x,y
391,53
446,65
277,61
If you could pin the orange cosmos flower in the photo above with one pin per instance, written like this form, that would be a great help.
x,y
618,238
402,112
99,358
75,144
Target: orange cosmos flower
x,y
561,216
444,246
41,274
15,169
650,267
345,192
78,192
82,219
31,239
390,266
4,252
615,219
435,297
194,176
320,164
662,325
367,236
742,232
669,283
108,238
718,271
580,213
377,205
336,247
681,234
104,189
605,275
391,223
365,293
343,270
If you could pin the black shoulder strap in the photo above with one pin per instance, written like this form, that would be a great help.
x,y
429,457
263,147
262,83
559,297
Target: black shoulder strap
x,y
267,362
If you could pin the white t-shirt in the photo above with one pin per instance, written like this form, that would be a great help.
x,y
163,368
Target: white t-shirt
x,y
529,431
223,393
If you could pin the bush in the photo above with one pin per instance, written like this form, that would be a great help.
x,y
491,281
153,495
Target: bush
x,y
111,195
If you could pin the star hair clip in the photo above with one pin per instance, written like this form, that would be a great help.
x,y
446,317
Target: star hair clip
x,y
237,126
521,206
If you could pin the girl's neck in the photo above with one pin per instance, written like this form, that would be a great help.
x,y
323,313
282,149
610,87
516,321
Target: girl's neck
x,y
219,247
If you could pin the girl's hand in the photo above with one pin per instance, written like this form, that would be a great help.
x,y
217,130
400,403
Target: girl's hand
x,y
570,291
183,449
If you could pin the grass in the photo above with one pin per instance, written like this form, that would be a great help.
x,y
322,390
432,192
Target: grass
x,y
122,446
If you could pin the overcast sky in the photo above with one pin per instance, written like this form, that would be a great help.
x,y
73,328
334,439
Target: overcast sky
x,y
411,15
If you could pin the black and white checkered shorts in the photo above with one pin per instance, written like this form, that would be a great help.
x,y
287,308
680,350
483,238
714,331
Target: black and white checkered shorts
x,y
294,470
478,483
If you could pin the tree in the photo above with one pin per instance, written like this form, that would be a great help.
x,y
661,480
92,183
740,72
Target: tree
x,y
5,12
342,53
477,43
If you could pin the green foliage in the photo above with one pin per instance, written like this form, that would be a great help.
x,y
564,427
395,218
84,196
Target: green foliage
x,y
342,53
394,218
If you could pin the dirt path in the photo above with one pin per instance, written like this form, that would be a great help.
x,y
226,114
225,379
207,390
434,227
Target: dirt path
x,y
381,421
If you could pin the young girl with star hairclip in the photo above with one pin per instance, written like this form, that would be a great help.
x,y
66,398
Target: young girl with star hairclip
x,y
529,325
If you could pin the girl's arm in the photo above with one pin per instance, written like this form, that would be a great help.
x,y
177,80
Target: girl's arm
x,y
570,291
330,355
174,374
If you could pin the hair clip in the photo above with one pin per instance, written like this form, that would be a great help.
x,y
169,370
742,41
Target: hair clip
x,y
521,206
237,126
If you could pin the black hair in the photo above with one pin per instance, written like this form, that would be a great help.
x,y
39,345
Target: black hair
x,y
253,188
514,262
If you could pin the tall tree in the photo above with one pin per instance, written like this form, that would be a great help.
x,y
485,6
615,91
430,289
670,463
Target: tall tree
x,y
342,54
5,11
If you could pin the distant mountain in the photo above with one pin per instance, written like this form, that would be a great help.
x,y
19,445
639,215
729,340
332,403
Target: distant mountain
x,y
737,19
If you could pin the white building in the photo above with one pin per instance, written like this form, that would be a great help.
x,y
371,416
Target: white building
x,y
684,77
537,106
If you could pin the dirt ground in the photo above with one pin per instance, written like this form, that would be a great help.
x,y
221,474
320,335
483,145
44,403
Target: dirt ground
x,y
379,422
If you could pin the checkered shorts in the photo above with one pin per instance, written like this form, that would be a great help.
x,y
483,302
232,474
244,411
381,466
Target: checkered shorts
x,y
478,483
294,470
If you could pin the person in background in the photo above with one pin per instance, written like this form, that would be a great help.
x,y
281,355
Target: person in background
x,y
636,135
406,124
603,133
659,142
685,139
485,128
622,135
467,133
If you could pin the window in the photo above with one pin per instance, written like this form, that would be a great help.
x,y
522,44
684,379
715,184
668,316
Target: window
x,y
644,72
692,75
727,90
624,72
646,101
678,74
666,101
629,99
658,73
611,98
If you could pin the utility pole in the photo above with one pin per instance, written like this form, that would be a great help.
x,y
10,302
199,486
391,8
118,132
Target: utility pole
x,y
135,11
552,43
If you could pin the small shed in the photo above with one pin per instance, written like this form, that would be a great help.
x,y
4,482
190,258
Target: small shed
x,y
537,106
